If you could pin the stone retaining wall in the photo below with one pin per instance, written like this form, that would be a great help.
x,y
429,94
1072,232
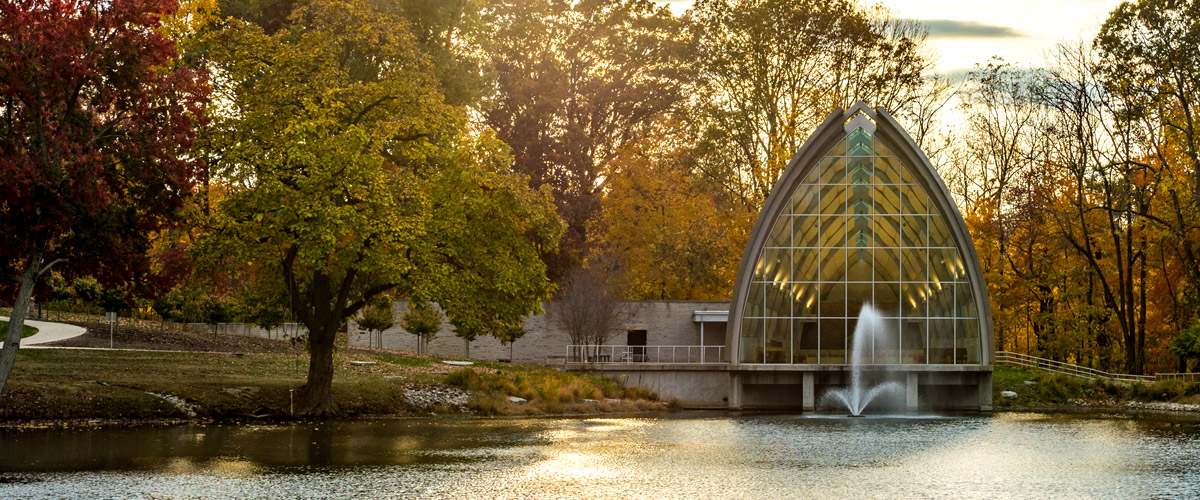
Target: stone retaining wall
x,y
289,330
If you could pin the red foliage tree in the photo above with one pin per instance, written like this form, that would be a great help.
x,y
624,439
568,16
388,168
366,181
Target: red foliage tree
x,y
95,124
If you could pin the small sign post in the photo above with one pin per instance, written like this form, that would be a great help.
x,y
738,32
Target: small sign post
x,y
111,316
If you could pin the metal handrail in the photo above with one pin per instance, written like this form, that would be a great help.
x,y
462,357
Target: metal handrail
x,y
647,354
1027,361
1190,377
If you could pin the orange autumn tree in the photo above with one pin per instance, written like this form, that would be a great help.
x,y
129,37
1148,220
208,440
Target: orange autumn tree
x,y
1080,194
668,233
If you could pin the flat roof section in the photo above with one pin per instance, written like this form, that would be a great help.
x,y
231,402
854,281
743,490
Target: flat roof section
x,y
710,316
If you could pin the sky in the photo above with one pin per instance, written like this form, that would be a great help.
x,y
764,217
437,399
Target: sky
x,y
964,33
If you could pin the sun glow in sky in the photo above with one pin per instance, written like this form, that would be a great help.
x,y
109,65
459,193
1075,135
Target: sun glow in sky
x,y
966,33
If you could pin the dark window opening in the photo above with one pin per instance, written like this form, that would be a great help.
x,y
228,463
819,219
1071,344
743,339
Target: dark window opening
x,y
636,340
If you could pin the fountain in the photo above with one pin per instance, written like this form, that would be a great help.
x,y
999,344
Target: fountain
x,y
867,339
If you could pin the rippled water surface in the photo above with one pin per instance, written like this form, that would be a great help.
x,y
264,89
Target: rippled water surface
x,y
1009,455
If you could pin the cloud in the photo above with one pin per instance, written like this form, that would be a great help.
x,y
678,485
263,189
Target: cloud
x,y
952,28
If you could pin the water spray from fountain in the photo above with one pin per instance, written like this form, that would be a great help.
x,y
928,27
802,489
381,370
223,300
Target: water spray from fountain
x,y
868,339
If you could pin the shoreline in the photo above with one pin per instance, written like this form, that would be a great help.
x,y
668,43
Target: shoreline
x,y
74,424
1125,406
103,423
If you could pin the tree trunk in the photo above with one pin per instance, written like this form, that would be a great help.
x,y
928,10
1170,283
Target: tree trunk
x,y
1141,313
12,340
315,397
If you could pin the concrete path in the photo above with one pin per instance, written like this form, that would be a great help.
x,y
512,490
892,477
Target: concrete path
x,y
47,332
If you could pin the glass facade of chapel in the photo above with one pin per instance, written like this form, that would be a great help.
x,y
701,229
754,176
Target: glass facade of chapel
x,y
860,229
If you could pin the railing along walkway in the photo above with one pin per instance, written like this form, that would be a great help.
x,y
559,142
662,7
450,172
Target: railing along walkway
x,y
1027,361
1188,377
648,354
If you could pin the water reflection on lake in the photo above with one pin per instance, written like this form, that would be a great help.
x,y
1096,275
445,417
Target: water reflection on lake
x,y
1010,455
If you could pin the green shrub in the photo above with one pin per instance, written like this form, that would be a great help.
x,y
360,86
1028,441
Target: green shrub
x,y
1192,389
1111,388
1162,390
464,378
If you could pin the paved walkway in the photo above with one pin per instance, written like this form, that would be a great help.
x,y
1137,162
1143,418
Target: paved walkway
x,y
47,332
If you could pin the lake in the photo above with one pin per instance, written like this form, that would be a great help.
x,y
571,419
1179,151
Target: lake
x,y
684,455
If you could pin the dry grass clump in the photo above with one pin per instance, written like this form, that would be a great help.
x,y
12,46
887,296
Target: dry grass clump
x,y
548,391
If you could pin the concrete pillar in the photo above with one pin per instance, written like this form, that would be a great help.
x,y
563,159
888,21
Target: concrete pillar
x,y
809,397
985,391
735,391
912,391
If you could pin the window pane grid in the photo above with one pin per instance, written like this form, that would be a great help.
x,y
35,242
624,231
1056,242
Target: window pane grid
x,y
860,229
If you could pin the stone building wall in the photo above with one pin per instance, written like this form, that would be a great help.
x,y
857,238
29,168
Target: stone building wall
x,y
665,322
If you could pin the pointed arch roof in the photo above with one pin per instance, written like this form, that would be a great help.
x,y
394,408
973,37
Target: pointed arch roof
x,y
832,131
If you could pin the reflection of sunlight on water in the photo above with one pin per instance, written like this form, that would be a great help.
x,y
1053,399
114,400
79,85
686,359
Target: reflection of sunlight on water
x,y
180,465
407,443
259,429
228,467
571,466
587,458
555,435
1025,417
1042,454
604,428
712,432
571,457
727,457
237,468
480,453
613,424
609,458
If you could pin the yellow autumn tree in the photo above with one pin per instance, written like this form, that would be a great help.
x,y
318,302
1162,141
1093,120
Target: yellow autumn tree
x,y
664,230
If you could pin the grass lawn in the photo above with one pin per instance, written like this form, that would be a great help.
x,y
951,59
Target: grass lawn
x,y
26,330
55,384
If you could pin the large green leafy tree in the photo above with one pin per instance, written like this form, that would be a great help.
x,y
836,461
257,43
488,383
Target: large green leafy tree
x,y
349,177
455,37
451,33
98,116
